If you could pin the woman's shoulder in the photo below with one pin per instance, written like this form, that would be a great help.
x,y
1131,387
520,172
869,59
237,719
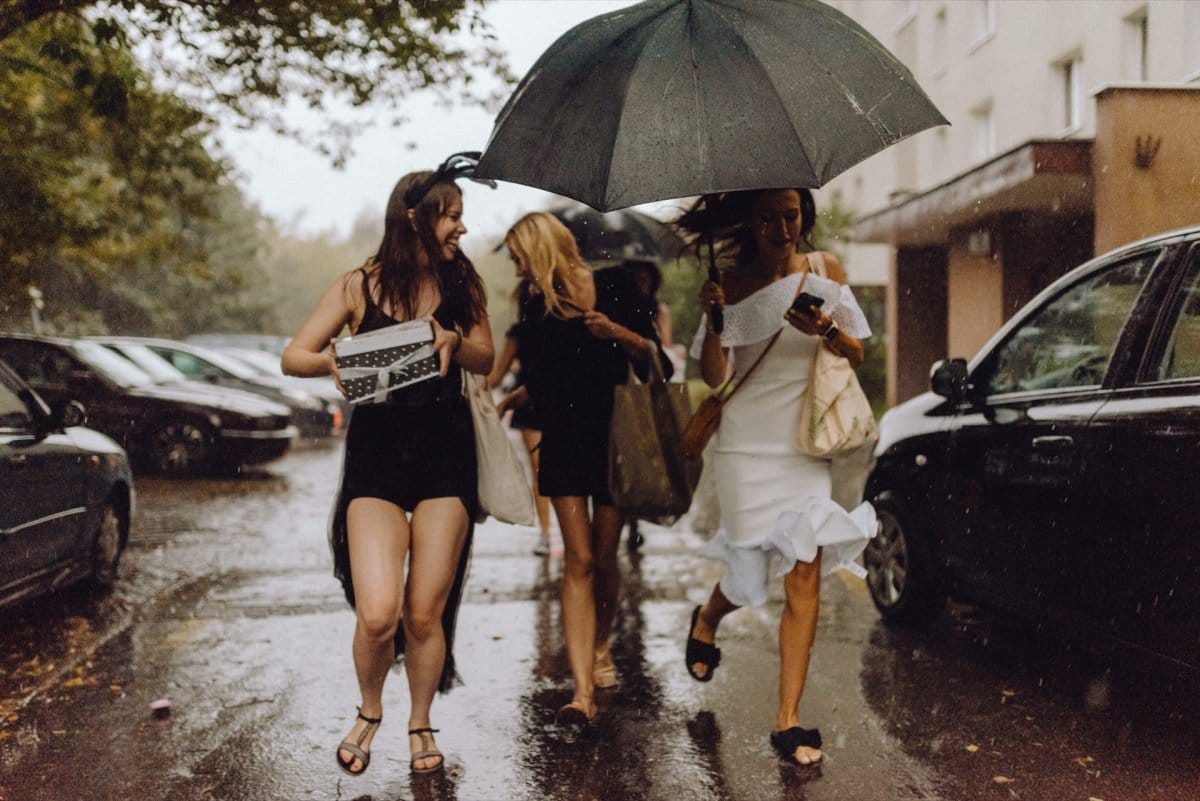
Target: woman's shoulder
x,y
831,265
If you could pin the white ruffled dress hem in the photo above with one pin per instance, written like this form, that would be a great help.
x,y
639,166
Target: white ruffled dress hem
x,y
816,523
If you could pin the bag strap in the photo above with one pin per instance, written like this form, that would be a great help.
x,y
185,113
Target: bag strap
x,y
721,392
749,372
816,263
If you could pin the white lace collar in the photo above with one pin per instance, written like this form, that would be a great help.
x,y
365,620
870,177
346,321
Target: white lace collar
x,y
760,314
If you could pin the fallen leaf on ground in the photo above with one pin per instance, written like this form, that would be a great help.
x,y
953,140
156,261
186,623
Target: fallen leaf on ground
x,y
972,748
1002,780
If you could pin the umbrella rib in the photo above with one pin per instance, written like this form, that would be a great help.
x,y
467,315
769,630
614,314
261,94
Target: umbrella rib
x,y
779,97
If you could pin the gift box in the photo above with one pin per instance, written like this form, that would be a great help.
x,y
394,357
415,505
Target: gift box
x,y
379,362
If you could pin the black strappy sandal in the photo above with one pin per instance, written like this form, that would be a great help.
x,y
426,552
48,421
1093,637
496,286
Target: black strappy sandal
x,y
787,741
429,751
704,653
356,746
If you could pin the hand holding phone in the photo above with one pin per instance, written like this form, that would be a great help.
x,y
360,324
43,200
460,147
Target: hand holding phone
x,y
805,305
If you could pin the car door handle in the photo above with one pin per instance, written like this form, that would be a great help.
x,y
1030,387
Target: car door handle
x,y
1053,442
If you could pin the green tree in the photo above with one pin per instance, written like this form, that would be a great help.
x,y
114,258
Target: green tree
x,y
246,58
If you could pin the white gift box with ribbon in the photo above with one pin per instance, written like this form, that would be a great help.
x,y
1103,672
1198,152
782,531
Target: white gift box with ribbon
x,y
378,362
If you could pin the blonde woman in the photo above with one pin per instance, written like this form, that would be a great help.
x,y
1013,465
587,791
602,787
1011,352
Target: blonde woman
x,y
579,334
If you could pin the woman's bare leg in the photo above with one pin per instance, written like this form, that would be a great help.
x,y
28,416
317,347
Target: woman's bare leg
x,y
439,529
710,617
797,631
532,439
606,536
578,599
378,535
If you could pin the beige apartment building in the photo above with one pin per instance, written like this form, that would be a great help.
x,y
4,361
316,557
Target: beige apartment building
x,y
1075,128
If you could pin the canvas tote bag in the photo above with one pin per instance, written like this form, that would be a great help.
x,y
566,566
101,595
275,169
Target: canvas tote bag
x,y
504,492
835,417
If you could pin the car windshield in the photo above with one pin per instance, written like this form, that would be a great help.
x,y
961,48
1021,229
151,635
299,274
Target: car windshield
x,y
259,360
116,369
158,368
226,363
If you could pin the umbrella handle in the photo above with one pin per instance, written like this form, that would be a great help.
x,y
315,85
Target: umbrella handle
x,y
718,314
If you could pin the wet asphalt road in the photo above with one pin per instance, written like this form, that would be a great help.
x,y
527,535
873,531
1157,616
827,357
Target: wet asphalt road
x,y
228,608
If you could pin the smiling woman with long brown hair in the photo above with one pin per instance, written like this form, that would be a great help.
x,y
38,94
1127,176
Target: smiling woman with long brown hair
x,y
409,478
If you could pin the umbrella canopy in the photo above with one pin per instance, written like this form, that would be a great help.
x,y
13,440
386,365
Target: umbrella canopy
x,y
614,236
674,98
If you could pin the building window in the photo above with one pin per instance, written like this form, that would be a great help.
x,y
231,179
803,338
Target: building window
x,y
1135,46
983,130
940,41
1071,79
985,21
1193,42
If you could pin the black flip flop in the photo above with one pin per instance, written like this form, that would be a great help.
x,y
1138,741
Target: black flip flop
x,y
787,741
704,653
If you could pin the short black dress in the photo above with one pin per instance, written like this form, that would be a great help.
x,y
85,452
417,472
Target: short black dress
x,y
571,376
418,445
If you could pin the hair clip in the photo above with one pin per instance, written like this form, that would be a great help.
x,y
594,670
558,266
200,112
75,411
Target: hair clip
x,y
457,165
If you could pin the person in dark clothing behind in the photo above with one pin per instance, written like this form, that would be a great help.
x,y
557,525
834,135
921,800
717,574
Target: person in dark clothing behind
x,y
584,329
648,277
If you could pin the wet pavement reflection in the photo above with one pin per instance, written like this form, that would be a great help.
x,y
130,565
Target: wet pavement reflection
x,y
228,608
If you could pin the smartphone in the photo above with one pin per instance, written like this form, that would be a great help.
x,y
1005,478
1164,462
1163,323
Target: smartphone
x,y
805,304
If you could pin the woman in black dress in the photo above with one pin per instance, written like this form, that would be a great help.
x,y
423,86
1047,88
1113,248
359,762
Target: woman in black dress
x,y
583,330
409,477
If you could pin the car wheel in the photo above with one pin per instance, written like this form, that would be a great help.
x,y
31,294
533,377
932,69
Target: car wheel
x,y
107,545
179,449
900,572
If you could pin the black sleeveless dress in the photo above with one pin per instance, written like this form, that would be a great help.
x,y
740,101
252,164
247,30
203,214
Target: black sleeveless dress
x,y
418,445
571,375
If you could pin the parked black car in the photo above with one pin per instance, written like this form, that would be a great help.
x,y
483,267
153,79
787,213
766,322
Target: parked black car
x,y
165,429
314,417
1056,476
66,496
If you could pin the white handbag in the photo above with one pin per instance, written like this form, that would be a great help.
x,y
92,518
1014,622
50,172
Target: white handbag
x,y
504,492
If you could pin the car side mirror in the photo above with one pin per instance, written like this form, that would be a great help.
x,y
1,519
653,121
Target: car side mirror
x,y
60,416
948,378
72,413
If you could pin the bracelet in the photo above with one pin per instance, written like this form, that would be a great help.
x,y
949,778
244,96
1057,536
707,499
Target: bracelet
x,y
830,334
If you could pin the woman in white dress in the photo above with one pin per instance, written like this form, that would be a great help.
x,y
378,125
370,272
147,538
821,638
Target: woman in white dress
x,y
775,500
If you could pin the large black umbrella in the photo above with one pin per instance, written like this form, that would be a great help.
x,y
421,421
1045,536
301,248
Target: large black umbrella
x,y
675,98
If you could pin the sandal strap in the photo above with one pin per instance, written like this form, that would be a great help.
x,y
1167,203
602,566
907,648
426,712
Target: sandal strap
x,y
372,721
354,749
789,740
423,729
